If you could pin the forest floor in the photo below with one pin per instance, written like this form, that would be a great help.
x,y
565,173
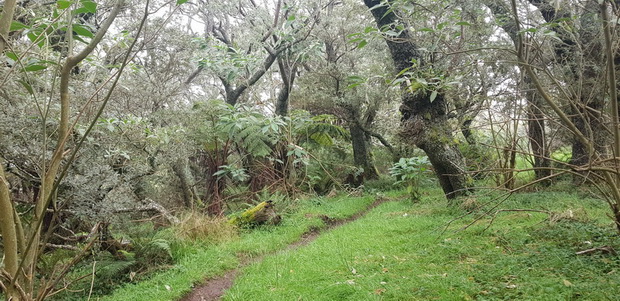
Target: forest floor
x,y
214,288
526,246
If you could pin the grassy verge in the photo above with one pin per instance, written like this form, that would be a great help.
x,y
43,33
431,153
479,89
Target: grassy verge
x,y
400,251
197,261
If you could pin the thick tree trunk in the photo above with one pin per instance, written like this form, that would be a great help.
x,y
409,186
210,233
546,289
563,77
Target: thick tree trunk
x,y
361,152
424,120
361,141
426,124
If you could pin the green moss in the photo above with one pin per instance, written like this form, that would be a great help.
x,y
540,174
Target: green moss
x,y
261,213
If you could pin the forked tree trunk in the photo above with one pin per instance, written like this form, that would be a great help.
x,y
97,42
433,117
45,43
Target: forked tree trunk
x,y
424,119
361,152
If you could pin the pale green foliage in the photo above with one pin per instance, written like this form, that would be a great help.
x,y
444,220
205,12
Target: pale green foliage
x,y
318,129
196,226
255,134
409,171
247,128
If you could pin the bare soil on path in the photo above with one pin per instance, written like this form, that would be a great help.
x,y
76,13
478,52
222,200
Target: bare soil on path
x,y
214,288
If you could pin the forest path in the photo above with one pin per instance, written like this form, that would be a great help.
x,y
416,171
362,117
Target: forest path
x,y
214,288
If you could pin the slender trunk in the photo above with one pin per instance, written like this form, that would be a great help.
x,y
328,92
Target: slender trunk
x,y
288,72
214,184
467,132
182,171
8,10
8,231
536,132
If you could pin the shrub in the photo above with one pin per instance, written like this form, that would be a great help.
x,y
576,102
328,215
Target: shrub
x,y
409,171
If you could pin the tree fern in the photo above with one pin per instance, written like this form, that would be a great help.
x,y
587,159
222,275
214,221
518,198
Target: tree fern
x,y
320,130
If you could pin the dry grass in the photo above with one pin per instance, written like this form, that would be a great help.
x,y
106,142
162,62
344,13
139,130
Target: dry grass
x,y
198,226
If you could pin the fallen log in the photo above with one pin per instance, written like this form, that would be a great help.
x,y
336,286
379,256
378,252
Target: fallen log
x,y
263,213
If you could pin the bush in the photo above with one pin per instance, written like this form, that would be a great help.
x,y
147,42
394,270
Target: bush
x,y
410,171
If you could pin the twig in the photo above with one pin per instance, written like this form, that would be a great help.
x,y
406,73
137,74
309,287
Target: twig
x,y
64,247
514,210
92,281
9,279
603,249
152,206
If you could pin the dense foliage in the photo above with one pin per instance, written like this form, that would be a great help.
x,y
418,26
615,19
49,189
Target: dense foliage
x,y
125,121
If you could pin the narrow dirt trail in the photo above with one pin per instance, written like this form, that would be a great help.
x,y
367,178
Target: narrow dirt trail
x,y
214,288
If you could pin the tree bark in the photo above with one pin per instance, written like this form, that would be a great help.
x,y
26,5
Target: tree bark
x,y
536,131
8,231
361,152
584,58
182,171
288,70
8,10
424,121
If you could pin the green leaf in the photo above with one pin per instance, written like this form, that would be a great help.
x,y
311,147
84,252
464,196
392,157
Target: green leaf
x,y
79,39
433,96
82,31
369,29
463,23
89,5
63,4
27,86
35,67
12,56
16,25
362,44
322,139
179,2
81,10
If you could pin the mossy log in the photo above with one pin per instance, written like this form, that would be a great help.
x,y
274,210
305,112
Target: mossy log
x,y
263,213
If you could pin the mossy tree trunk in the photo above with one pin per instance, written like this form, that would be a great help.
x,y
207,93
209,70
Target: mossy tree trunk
x,y
424,120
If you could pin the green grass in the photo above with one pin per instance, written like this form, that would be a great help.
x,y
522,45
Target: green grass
x,y
197,261
400,252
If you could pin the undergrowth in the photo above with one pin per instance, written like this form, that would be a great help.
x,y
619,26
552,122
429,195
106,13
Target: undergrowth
x,y
199,255
522,247
405,251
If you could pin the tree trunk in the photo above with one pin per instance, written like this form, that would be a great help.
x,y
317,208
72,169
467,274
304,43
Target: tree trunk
x,y
214,184
8,10
426,124
425,121
536,131
288,70
361,152
182,171
582,53
9,235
